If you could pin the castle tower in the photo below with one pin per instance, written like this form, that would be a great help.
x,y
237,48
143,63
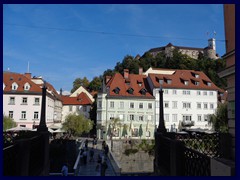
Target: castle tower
x,y
212,44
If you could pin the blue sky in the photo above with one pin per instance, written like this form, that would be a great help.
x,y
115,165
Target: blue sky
x,y
64,42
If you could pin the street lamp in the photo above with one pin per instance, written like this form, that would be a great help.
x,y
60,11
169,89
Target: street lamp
x,y
161,126
42,125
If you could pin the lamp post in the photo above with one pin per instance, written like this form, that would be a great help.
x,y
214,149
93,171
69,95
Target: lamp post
x,y
161,126
42,125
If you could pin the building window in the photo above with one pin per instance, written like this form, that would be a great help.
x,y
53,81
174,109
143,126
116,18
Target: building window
x,y
187,117
206,117
24,100
99,116
169,81
211,93
186,92
186,105
205,105
14,86
36,101
23,115
174,91
121,116
35,115
121,105
174,117
26,87
10,114
149,105
196,83
174,104
70,108
140,105
131,117
199,117
205,93
140,118
198,93
99,104
135,132
186,83
12,100
131,105
166,104
166,117
211,106
84,108
165,91
111,104
209,84
198,105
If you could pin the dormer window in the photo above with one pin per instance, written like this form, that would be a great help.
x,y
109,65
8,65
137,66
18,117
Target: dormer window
x,y
196,75
130,90
26,86
143,91
14,86
139,83
116,90
160,81
186,82
209,83
169,81
196,83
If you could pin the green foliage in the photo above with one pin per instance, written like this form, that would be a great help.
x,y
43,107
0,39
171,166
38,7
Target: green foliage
x,y
220,118
95,84
124,131
80,82
77,124
8,123
147,146
140,132
127,152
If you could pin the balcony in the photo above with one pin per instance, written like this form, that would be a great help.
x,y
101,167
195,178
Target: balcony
x,y
187,123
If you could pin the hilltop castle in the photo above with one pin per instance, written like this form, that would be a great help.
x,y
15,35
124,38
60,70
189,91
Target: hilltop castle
x,y
209,51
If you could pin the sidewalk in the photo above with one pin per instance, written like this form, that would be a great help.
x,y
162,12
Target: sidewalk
x,y
89,168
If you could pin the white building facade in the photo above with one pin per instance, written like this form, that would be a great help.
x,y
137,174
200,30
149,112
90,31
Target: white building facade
x,y
128,99
22,99
189,98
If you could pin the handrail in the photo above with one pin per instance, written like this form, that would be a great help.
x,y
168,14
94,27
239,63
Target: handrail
x,y
78,158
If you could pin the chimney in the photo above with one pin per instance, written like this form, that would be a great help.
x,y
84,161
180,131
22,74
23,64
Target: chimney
x,y
61,91
28,75
140,71
126,73
108,78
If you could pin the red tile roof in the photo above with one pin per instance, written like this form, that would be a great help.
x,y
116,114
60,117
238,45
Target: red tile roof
x,y
81,99
118,81
178,78
20,79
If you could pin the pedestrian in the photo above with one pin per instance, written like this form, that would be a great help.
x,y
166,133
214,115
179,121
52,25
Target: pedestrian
x,y
104,167
106,150
86,144
103,145
85,157
98,168
64,170
91,154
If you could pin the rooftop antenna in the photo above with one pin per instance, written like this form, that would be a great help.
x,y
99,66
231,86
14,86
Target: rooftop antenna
x,y
28,68
214,34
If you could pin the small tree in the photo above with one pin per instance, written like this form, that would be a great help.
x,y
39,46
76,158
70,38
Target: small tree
x,y
220,118
77,124
8,123
113,125
140,132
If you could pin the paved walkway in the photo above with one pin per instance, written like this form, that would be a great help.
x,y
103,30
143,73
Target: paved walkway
x,y
90,168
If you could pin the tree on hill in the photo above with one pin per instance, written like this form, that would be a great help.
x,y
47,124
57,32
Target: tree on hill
x,y
80,82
